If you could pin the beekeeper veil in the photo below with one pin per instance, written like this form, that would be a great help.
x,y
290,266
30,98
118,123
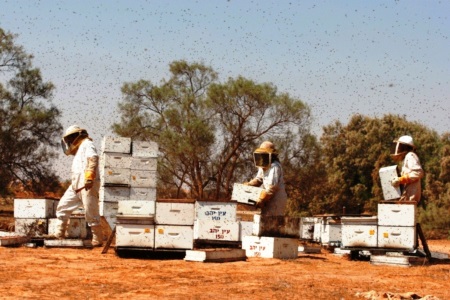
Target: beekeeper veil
x,y
72,139
402,146
265,155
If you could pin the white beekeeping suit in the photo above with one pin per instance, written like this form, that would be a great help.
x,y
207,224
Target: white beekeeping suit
x,y
85,184
411,172
273,197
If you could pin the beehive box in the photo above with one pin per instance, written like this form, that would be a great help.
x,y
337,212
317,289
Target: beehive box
x,y
270,247
393,214
114,193
216,230
276,226
144,149
31,227
35,208
330,231
174,237
136,219
359,232
75,230
136,208
215,211
307,228
397,237
245,194
116,144
386,176
140,178
115,160
109,211
115,176
145,193
245,228
175,212
144,163
135,235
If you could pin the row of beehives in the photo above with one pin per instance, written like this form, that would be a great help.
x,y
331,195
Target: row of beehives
x,y
176,223
393,228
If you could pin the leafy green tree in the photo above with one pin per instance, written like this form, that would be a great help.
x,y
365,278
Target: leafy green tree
x,y
207,131
29,122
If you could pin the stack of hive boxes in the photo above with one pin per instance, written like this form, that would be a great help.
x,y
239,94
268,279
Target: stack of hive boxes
x,y
36,218
216,222
128,188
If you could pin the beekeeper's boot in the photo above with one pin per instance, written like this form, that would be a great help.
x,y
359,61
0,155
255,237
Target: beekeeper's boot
x,y
97,236
61,227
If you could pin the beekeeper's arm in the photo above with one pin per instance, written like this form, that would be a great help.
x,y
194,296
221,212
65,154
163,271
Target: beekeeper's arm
x,y
89,173
270,186
412,171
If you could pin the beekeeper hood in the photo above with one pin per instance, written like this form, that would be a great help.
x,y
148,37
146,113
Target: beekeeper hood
x,y
72,139
264,155
402,146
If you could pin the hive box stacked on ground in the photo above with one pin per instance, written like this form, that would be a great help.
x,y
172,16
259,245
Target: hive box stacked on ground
x,y
174,224
37,218
270,247
31,216
307,228
216,221
328,230
359,231
397,225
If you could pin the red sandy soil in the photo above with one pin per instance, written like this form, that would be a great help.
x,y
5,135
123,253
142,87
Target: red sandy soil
x,y
65,273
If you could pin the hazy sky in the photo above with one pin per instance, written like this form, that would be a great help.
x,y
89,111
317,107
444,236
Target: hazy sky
x,y
340,57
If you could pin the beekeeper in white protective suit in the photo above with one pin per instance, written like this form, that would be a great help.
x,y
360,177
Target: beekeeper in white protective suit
x,y
412,172
273,197
85,183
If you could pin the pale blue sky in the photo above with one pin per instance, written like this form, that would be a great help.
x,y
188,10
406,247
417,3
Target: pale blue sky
x,y
340,57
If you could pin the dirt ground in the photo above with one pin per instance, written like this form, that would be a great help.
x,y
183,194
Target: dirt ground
x,y
64,273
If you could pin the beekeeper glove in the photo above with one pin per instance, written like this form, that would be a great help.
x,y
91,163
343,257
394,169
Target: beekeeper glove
x,y
89,173
264,197
400,180
254,182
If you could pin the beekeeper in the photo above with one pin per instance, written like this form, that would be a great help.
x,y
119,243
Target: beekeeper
x,y
404,149
84,186
273,197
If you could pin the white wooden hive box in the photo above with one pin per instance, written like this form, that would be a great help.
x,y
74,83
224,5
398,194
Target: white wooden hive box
x,y
386,176
174,237
144,149
397,237
216,230
270,247
114,193
135,235
35,208
245,194
390,214
175,212
359,232
75,230
215,211
141,178
136,207
116,144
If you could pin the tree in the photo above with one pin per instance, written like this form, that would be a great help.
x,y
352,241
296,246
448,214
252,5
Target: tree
x,y
29,122
206,130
